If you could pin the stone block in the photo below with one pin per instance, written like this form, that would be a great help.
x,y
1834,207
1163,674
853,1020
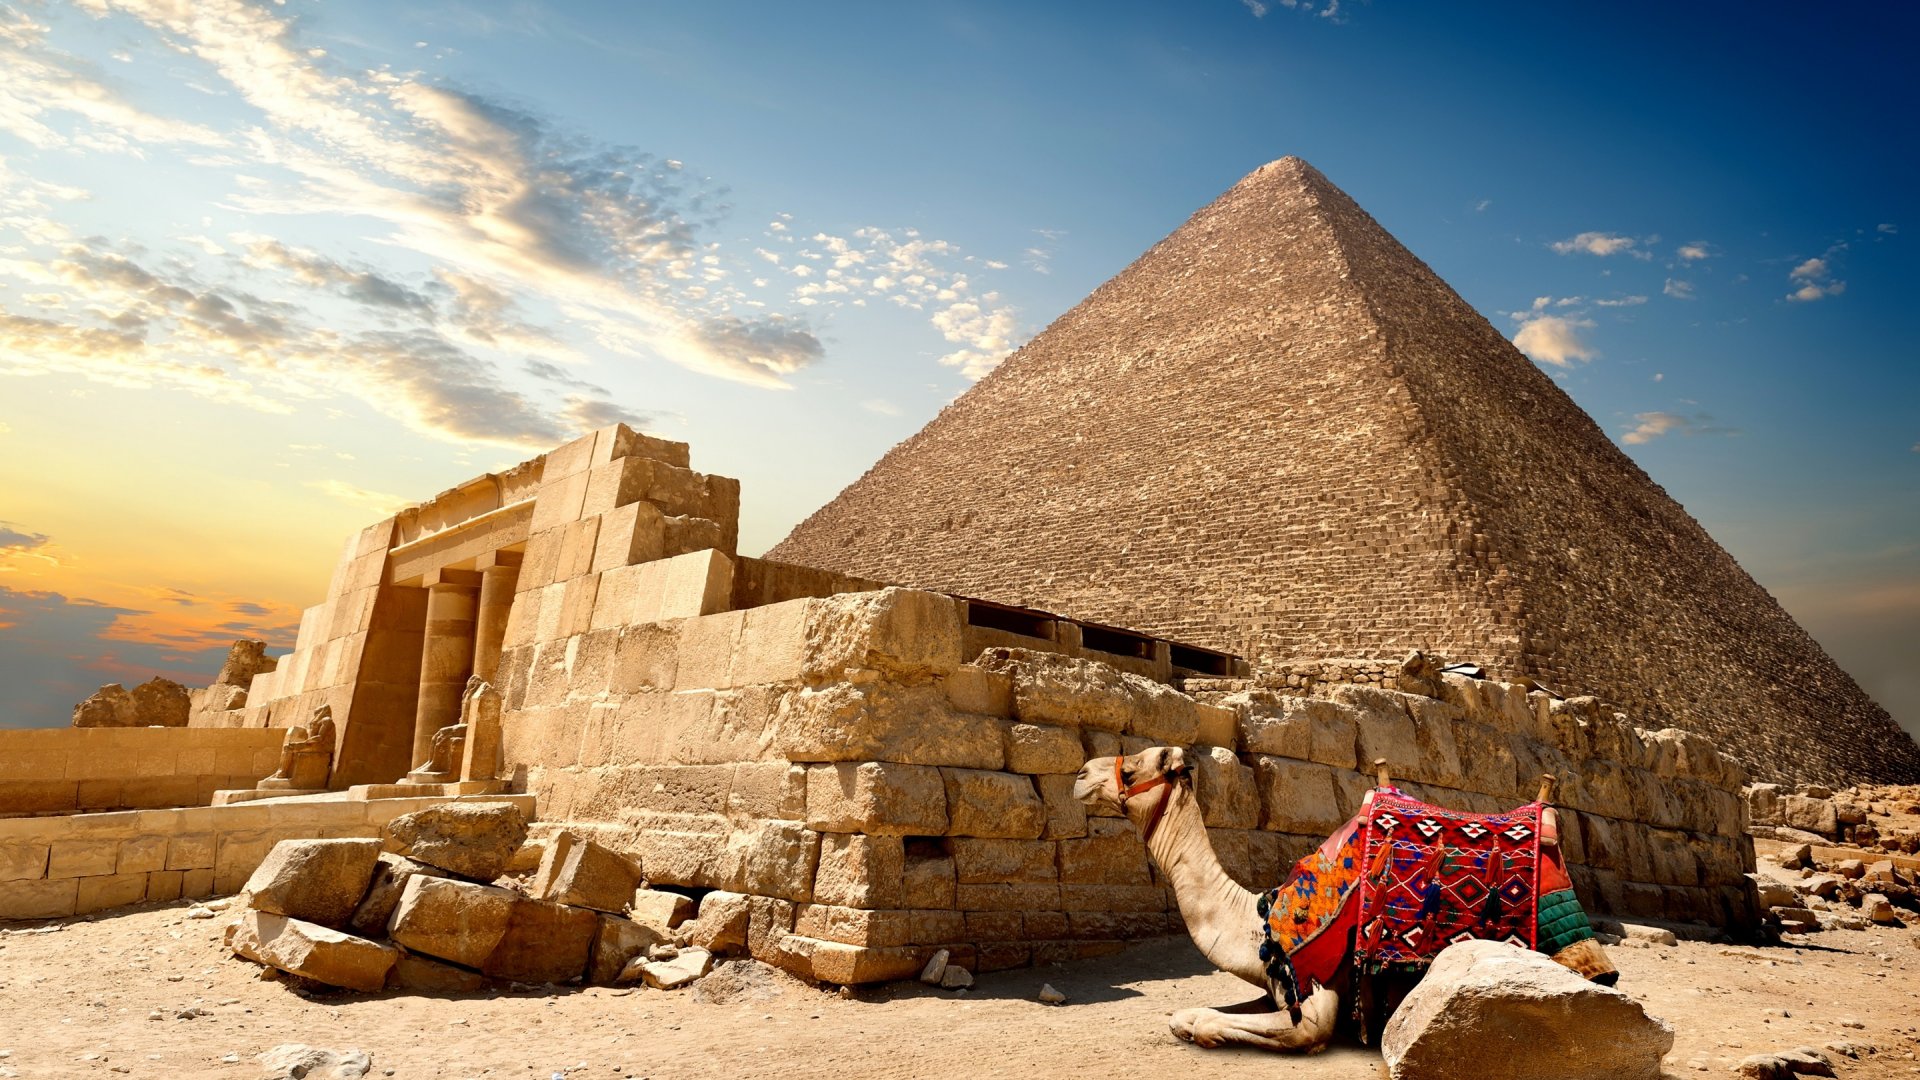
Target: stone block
x,y
659,910
470,840
426,976
772,645
885,721
560,502
1043,748
1062,690
457,921
775,858
1228,791
928,879
850,965
936,927
853,926
575,870
684,586
645,658
165,885
27,861
1066,816
876,797
1110,854
312,951
776,790
974,689
982,860
906,633
317,881
995,926
383,893
615,944
196,883
82,858
110,891
1297,796
690,965
41,899
1118,925
1219,725
993,804
544,942
1007,896
860,871
725,922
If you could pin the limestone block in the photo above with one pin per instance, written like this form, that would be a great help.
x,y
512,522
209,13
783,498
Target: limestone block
x,y
885,721
860,871
544,942
575,870
995,926
1231,847
1218,725
1486,759
164,885
877,797
1121,925
1062,690
560,502
1066,816
853,926
1271,723
424,976
993,804
1516,1013
109,891
471,840
1009,896
774,858
849,965
1160,713
42,899
568,459
974,689
1812,815
979,860
659,910
1043,748
312,951
319,881
706,650
1297,796
27,861
1228,791
457,921
777,790
906,633
942,927
615,944
1110,854
681,849
383,892
1439,760
82,858
725,922
928,879
646,656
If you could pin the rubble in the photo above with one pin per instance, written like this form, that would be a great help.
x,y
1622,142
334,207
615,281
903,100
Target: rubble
x,y
476,841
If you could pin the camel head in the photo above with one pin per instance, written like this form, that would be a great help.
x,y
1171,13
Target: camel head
x,y
1096,786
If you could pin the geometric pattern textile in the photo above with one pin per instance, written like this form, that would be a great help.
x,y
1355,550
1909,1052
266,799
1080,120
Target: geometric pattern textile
x,y
1309,918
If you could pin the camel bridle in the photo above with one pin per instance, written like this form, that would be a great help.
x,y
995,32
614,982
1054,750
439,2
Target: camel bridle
x,y
1127,791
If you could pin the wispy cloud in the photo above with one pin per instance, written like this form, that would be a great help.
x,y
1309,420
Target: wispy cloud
x,y
1813,280
1679,290
1652,425
377,501
881,406
1695,251
1602,244
1619,301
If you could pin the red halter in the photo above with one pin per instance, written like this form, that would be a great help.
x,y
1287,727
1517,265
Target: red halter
x,y
1159,808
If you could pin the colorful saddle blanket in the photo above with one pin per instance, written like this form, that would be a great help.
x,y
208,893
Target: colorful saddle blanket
x,y
1402,880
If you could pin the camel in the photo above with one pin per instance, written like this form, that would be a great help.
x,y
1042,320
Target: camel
x,y
1154,790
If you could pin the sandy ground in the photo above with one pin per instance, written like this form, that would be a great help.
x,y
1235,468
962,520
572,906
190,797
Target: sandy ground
x,y
76,998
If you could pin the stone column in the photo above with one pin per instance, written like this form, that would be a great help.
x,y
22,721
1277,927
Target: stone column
x,y
499,573
446,660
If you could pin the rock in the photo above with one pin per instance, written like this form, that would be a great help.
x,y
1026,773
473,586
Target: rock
x,y
740,980
427,976
1820,885
320,881
574,870
312,951
1849,1048
1851,869
1812,815
1797,858
476,841
723,923
1785,1064
1881,873
615,944
160,703
544,942
935,969
1773,893
1878,908
1050,996
955,977
109,706
1797,920
452,920
390,879
1653,935
672,974
246,657
298,1061
1515,1013
662,910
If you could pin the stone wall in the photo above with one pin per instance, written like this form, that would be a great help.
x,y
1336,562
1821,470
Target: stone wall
x,y
57,866
64,770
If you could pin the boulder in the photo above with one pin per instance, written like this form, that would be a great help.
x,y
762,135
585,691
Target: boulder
x,y
723,922
575,870
1514,1013
1785,1064
476,841
298,1061
246,658
109,706
320,881
1811,815
615,945
160,703
390,879
453,920
312,951
544,942
660,910
686,967
1878,908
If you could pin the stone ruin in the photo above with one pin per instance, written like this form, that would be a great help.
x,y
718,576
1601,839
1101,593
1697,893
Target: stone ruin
x,y
157,702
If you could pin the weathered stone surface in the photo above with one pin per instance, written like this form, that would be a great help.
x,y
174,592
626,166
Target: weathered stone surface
x,y
472,840
877,797
684,968
983,803
1813,815
1043,748
1228,791
452,920
160,703
860,871
427,976
297,1061
978,860
1516,1013
615,944
1068,691
1297,796
724,922
659,909
383,892
883,720
575,870
311,950
109,706
1112,853
904,632
544,942
320,881
1879,909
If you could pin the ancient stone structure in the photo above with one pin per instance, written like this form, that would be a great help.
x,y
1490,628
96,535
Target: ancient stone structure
x,y
1279,434
157,702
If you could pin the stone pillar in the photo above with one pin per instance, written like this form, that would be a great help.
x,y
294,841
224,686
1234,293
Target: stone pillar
x,y
499,573
446,659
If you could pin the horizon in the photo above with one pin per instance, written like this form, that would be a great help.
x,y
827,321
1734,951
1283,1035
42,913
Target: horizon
x,y
265,277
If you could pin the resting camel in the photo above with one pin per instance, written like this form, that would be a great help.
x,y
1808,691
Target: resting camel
x,y
1154,790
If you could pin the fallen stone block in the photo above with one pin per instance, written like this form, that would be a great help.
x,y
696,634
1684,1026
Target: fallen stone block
x,y
390,879
428,976
320,881
660,910
574,870
312,951
1515,1013
544,942
298,1061
1785,1065
722,927
452,920
1879,909
476,841
1653,935
684,968
615,944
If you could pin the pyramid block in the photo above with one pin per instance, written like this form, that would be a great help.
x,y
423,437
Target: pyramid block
x,y
1278,433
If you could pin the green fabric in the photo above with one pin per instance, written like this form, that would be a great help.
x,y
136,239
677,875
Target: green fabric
x,y
1562,922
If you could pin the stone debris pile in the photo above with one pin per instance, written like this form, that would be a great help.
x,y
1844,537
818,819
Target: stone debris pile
x,y
1876,817
1831,860
157,702
453,899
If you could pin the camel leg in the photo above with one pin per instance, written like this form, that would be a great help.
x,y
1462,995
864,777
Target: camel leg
x,y
1274,1030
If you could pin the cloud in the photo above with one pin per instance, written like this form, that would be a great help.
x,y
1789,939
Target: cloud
x,y
1621,301
56,650
986,334
1554,339
881,406
377,501
316,271
1481,206
1651,425
14,541
1887,228
1814,280
1679,290
1259,9
39,85
1695,251
1599,243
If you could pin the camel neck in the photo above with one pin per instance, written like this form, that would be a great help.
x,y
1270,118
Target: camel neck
x,y
1222,918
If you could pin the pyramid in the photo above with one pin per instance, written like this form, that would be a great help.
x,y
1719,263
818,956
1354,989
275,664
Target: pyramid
x,y
1280,434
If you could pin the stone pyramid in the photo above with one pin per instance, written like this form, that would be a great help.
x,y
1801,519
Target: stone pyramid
x,y
1280,434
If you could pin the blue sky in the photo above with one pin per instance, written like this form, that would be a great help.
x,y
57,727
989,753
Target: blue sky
x,y
266,270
